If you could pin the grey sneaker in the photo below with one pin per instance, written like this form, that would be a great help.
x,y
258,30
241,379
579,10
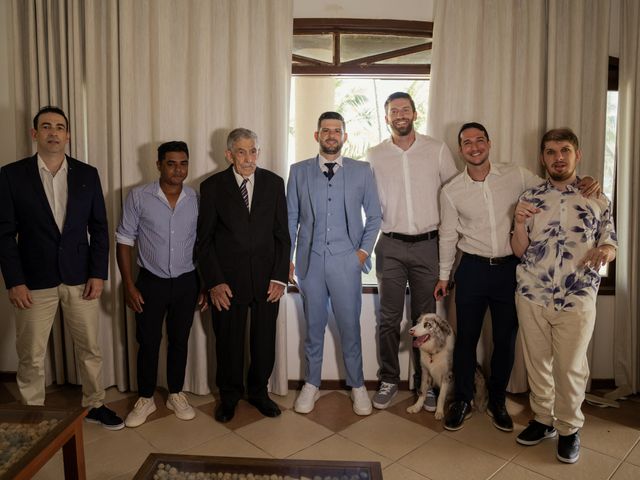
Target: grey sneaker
x,y
382,398
431,401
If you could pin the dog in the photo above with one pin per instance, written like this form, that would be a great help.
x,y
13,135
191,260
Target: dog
x,y
435,339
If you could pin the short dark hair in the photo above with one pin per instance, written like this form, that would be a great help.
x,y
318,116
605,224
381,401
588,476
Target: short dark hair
x,y
558,135
173,146
49,109
397,95
331,116
469,125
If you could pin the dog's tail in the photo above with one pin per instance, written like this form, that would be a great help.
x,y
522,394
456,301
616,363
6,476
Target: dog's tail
x,y
481,396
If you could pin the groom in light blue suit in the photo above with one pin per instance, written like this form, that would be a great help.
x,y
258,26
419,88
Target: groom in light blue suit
x,y
325,199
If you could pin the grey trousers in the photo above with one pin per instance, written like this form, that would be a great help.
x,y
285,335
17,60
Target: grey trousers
x,y
399,263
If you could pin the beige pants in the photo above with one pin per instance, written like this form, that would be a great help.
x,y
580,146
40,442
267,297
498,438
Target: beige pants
x,y
33,327
555,353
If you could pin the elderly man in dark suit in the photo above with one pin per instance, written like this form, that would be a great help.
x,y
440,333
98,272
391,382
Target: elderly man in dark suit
x,y
242,256
54,250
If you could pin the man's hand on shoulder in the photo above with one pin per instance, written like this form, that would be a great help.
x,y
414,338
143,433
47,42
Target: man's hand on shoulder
x,y
589,187
221,296
20,297
93,289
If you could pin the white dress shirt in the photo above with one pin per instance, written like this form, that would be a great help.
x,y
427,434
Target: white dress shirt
x,y
55,188
250,181
409,182
477,216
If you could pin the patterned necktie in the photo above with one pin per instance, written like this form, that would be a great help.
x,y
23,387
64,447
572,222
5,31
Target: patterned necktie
x,y
329,173
244,192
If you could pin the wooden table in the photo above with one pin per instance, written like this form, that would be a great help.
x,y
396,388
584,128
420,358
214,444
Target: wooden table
x,y
261,466
67,433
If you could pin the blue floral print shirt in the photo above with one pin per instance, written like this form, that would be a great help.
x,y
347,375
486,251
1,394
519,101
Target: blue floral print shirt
x,y
567,226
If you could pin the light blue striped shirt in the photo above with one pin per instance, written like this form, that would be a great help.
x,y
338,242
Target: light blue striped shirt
x,y
165,237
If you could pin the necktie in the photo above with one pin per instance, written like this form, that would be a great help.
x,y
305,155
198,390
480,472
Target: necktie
x,y
244,192
329,173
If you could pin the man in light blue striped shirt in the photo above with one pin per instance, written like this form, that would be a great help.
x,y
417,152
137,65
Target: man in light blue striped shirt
x,y
161,217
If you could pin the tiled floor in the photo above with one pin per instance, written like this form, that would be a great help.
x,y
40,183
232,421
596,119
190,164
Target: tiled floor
x,y
407,446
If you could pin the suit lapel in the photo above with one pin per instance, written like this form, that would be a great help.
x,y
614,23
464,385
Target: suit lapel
x,y
313,180
36,183
234,190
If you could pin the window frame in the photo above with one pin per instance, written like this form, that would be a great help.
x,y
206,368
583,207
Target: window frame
x,y
363,66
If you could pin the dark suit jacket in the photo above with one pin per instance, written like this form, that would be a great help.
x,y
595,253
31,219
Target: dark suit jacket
x,y
245,250
32,249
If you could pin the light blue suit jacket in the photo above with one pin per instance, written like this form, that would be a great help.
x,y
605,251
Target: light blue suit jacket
x,y
361,193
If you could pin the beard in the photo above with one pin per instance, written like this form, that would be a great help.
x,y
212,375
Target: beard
x,y
561,177
330,149
402,131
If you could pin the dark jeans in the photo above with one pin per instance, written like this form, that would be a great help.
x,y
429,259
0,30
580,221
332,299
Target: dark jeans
x,y
478,286
176,298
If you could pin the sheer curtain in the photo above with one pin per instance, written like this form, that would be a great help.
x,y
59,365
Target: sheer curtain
x,y
626,334
521,68
133,75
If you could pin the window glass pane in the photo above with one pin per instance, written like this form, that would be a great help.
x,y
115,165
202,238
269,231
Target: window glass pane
x,y
361,102
609,174
418,58
318,47
353,46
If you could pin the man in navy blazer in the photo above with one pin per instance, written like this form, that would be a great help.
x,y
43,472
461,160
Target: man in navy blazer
x,y
242,256
326,195
54,250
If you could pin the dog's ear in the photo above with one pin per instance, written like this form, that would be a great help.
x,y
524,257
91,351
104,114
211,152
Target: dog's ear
x,y
444,326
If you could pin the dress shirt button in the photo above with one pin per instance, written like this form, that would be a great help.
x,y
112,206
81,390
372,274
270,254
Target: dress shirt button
x,y
328,243
329,198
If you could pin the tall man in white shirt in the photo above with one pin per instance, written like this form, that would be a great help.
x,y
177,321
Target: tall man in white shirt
x,y
476,215
161,217
564,239
409,169
54,251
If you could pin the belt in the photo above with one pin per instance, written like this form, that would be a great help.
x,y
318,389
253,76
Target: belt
x,y
412,238
491,260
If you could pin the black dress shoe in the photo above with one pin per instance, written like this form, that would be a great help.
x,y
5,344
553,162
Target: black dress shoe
x,y
568,448
501,419
225,412
266,406
458,412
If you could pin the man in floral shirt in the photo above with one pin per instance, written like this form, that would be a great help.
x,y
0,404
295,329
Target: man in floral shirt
x,y
563,239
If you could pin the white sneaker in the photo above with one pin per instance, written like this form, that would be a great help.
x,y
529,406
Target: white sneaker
x,y
180,405
141,410
361,401
307,398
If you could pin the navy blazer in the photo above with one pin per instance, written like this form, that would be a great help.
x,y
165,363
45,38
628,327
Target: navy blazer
x,y
33,251
243,249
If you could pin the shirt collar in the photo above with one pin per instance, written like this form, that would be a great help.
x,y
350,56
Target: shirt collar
x,y
161,194
322,161
240,178
493,170
43,166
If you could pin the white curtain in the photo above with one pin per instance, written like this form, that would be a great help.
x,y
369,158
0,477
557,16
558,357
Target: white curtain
x,y
577,69
627,306
133,74
520,68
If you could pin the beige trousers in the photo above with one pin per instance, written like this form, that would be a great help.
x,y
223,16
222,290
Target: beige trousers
x,y
555,353
33,327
